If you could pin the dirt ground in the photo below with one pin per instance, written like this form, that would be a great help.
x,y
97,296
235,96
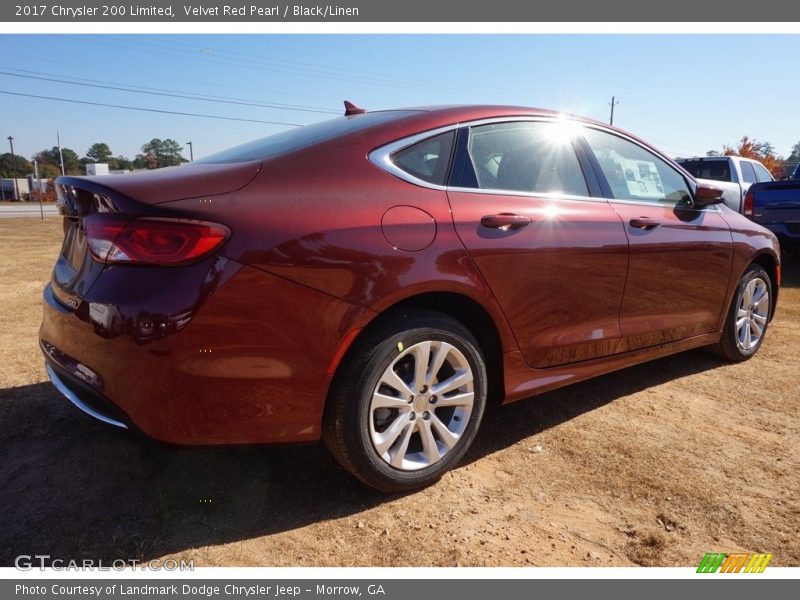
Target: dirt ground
x,y
653,465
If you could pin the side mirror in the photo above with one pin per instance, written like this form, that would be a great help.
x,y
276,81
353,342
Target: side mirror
x,y
707,194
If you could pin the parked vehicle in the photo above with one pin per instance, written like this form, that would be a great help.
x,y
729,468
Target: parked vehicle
x,y
796,173
733,174
776,206
372,279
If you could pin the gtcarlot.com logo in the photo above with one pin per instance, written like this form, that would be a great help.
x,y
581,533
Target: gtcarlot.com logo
x,y
27,562
722,562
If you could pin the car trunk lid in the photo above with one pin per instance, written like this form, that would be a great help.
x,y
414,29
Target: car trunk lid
x,y
128,194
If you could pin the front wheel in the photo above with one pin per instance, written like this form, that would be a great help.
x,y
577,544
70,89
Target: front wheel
x,y
748,316
408,401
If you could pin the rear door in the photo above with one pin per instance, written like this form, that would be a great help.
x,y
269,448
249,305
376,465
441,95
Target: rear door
x,y
680,256
554,256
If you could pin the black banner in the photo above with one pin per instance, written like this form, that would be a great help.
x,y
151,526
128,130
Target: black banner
x,y
366,11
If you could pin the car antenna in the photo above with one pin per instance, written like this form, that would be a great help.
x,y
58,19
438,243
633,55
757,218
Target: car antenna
x,y
352,109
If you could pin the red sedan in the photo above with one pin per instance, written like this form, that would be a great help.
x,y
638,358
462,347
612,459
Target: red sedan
x,y
373,279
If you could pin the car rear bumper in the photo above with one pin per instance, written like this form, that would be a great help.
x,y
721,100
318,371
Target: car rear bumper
x,y
85,398
243,365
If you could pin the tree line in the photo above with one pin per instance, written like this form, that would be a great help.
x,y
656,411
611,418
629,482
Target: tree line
x,y
154,154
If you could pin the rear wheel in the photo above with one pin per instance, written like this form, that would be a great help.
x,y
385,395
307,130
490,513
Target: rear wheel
x,y
408,401
748,316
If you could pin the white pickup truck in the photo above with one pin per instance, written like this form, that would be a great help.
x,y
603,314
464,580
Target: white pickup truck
x,y
733,174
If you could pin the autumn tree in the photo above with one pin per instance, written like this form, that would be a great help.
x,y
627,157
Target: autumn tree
x,y
159,153
763,152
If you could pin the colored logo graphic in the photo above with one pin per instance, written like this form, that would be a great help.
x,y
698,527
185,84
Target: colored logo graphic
x,y
733,563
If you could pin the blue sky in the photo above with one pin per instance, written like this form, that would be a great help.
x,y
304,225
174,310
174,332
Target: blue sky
x,y
685,94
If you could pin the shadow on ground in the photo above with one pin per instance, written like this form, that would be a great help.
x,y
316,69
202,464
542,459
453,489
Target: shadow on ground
x,y
74,488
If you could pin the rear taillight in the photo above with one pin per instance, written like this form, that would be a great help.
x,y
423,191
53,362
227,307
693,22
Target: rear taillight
x,y
747,205
116,239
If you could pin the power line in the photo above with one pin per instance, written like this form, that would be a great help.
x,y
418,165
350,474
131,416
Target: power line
x,y
172,94
152,110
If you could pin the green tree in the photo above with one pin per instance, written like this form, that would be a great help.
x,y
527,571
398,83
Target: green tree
x,y
72,162
14,166
159,153
99,153
122,162
795,155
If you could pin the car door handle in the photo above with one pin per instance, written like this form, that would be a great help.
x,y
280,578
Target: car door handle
x,y
505,221
643,223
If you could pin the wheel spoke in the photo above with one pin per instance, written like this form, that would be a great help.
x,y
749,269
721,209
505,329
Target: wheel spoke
x,y
383,401
439,356
422,354
761,293
760,319
449,438
384,441
756,328
462,399
460,378
748,335
747,297
393,380
399,454
429,446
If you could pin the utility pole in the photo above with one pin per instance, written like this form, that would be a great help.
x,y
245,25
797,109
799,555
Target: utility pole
x,y
38,186
614,102
60,153
191,152
14,168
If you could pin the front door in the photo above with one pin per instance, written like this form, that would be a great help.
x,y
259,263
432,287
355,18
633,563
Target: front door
x,y
680,256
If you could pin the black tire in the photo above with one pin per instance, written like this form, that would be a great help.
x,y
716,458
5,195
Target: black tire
x,y
729,346
350,421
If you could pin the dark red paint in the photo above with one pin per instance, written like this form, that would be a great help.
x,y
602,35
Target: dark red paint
x,y
241,347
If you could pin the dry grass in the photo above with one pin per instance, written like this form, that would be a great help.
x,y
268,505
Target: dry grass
x,y
653,465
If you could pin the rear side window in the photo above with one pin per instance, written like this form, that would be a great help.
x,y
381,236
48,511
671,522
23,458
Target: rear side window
x,y
634,173
427,160
527,156
761,172
748,175
718,170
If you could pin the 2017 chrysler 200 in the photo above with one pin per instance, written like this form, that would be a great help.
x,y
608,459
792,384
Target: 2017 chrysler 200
x,y
370,280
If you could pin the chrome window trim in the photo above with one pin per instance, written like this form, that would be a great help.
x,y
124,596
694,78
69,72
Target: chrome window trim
x,y
381,158
541,195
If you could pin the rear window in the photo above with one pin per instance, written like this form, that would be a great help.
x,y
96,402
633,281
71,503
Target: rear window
x,y
302,137
718,170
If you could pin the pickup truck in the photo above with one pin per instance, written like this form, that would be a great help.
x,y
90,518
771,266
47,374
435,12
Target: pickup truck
x,y
733,174
776,206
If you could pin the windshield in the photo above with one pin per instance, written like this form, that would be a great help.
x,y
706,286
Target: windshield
x,y
302,137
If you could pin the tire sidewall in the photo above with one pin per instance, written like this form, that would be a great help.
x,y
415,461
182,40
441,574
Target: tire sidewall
x,y
380,359
752,273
